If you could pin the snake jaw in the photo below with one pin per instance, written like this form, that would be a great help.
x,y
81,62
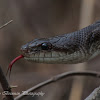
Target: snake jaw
x,y
11,64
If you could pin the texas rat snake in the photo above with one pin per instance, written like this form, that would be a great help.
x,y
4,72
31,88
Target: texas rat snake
x,y
75,47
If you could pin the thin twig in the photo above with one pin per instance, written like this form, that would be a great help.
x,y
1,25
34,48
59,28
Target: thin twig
x,y
59,77
5,85
6,24
3,80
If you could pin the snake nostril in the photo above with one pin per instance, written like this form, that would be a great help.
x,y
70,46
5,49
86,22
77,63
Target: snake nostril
x,y
24,50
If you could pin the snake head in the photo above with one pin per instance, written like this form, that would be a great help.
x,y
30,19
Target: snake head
x,y
44,50
38,50
49,50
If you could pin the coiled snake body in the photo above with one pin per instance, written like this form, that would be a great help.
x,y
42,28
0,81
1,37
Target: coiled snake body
x,y
75,47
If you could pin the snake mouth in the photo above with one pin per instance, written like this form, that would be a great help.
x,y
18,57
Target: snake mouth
x,y
55,57
44,60
45,57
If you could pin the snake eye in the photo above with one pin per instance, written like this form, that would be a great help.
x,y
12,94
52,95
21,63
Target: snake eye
x,y
45,46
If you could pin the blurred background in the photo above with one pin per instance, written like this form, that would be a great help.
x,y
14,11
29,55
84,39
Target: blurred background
x,y
45,18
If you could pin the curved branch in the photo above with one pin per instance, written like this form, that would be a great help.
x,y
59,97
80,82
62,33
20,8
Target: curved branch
x,y
59,77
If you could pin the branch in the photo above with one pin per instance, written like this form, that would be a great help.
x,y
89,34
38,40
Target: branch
x,y
5,24
5,85
95,95
59,77
3,80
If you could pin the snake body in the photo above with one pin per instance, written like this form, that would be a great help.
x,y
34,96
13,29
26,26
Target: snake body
x,y
76,47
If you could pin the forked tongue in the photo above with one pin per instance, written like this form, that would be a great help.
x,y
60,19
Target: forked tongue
x,y
11,64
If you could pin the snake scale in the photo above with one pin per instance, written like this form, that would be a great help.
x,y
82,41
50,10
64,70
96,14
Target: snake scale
x,y
76,47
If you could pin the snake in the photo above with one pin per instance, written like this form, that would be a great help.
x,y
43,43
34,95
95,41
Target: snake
x,y
76,47
71,48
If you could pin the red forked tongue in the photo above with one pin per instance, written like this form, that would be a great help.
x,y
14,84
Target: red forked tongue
x,y
12,62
